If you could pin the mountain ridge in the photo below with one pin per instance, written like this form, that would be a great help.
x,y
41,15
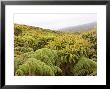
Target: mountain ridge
x,y
79,28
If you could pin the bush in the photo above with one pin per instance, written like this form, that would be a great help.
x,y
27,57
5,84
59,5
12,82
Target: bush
x,y
36,67
84,67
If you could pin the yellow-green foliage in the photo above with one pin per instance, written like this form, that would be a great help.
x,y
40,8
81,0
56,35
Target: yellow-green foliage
x,y
45,52
34,67
84,67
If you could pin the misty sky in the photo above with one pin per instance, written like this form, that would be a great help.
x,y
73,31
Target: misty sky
x,y
54,21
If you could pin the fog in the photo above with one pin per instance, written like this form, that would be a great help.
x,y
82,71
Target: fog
x,y
54,21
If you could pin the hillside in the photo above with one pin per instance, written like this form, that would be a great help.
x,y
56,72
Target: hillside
x,y
80,28
44,52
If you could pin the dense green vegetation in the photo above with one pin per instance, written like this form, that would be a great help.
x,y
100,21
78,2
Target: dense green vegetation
x,y
44,52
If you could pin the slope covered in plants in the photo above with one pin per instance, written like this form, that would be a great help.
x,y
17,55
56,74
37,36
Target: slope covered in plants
x,y
44,52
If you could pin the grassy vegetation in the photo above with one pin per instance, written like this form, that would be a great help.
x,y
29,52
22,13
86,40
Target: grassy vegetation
x,y
44,52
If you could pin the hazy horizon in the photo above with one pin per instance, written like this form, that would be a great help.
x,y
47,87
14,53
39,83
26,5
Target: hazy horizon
x,y
54,21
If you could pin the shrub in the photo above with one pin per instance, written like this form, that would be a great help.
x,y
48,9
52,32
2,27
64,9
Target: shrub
x,y
35,67
84,67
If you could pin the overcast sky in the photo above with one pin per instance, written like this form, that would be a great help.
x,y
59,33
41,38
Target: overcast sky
x,y
54,21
